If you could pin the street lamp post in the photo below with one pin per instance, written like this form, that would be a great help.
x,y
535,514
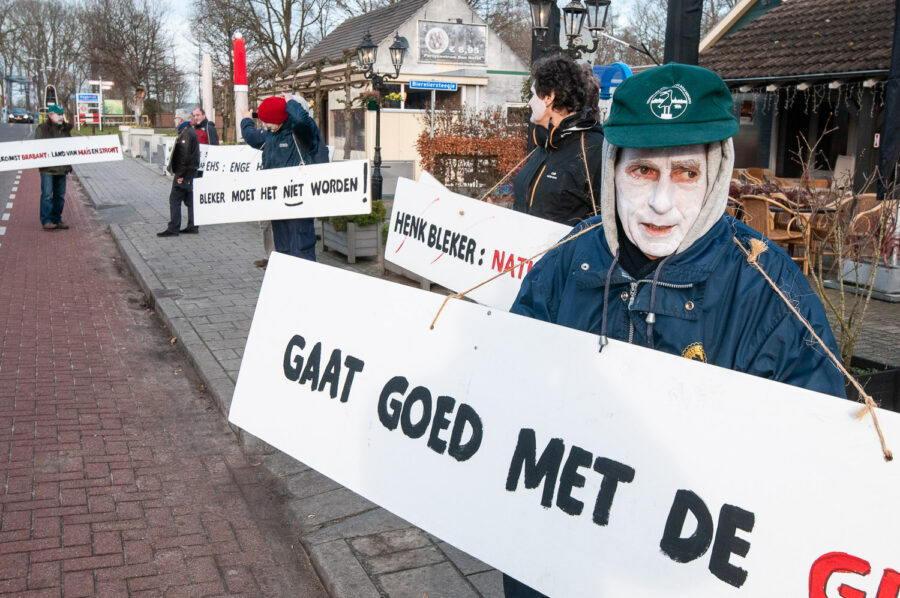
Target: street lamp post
x,y
366,54
575,14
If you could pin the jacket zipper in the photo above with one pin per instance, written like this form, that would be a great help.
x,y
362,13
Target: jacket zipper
x,y
537,182
632,294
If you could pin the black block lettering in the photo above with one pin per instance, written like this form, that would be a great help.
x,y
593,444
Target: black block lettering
x,y
465,416
390,418
546,468
685,550
442,407
613,473
292,372
731,519
416,430
353,365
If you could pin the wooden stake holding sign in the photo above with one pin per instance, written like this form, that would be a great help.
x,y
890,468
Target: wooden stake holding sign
x,y
629,472
333,189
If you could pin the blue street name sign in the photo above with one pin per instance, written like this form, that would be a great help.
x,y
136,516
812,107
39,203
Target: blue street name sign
x,y
436,85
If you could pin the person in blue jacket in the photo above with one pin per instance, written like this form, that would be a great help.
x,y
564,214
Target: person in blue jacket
x,y
290,138
664,270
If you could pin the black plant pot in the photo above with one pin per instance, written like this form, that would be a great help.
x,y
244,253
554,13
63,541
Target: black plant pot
x,y
883,385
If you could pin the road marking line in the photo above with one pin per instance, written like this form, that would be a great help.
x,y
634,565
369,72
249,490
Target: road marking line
x,y
12,195
5,216
2,230
8,205
14,189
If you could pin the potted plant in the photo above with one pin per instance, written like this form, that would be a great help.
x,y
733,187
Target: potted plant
x,y
355,236
369,99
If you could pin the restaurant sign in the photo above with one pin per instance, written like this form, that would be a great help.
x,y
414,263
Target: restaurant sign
x,y
452,42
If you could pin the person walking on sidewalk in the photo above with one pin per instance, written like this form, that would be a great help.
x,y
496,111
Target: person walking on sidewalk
x,y
53,178
183,164
290,138
206,131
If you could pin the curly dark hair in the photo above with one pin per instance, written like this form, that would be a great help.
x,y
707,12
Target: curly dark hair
x,y
564,77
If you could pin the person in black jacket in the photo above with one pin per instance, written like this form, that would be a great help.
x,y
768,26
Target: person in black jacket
x,y
183,164
561,180
53,178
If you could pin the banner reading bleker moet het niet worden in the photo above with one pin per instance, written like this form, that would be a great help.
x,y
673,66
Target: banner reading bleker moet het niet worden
x,y
626,472
312,190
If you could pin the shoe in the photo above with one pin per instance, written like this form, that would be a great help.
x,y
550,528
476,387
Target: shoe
x,y
261,264
50,226
62,225
190,230
167,233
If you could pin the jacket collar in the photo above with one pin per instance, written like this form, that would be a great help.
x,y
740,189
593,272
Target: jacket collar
x,y
694,265
576,122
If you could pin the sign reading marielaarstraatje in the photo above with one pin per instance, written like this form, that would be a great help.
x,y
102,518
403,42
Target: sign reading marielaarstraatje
x,y
458,242
41,153
629,472
333,189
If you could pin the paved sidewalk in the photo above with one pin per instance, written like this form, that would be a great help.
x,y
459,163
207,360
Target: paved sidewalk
x,y
117,476
205,288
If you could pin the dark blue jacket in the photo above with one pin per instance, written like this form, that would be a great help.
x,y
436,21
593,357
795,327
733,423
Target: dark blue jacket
x,y
280,149
710,305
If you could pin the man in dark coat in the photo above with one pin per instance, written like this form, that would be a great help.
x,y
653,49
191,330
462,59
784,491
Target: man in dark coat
x,y
290,138
53,178
206,131
665,270
183,164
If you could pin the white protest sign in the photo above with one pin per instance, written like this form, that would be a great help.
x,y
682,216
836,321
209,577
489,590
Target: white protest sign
x,y
41,153
458,242
313,190
629,472
229,159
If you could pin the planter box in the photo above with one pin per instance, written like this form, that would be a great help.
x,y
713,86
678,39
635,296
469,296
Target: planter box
x,y
354,242
883,385
887,279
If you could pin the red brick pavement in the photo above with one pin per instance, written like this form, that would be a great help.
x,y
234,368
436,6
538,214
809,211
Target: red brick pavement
x,y
117,475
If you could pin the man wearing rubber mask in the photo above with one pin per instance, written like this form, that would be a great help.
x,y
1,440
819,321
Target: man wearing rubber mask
x,y
665,270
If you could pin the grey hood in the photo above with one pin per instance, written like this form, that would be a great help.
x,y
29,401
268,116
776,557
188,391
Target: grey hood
x,y
719,166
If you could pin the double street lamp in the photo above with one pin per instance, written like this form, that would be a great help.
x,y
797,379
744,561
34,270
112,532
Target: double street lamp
x,y
575,14
366,53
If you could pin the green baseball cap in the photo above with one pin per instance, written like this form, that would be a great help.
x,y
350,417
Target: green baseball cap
x,y
55,109
674,104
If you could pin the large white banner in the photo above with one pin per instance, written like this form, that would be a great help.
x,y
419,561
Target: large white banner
x,y
584,474
334,189
229,159
41,153
458,242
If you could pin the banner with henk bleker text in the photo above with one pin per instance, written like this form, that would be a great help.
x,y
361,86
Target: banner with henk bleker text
x,y
626,472
332,189
458,242
229,159
41,153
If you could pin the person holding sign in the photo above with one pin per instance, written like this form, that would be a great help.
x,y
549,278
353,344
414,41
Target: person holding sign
x,y
53,178
561,180
290,138
668,269
183,164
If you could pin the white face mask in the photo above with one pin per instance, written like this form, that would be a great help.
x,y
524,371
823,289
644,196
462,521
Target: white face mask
x,y
55,118
539,113
659,193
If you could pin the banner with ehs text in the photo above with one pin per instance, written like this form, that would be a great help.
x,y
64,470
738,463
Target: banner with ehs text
x,y
42,153
333,189
458,242
629,472
229,159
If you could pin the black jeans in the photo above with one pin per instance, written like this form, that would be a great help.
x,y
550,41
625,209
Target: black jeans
x,y
181,194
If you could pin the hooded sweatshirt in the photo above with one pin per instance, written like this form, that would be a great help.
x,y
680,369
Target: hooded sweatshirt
x,y
703,302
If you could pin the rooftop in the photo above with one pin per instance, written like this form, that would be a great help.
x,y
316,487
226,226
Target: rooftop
x,y
805,38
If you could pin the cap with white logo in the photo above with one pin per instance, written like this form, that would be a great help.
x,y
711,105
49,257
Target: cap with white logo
x,y
670,105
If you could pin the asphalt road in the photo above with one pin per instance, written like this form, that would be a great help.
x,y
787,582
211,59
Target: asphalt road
x,y
10,132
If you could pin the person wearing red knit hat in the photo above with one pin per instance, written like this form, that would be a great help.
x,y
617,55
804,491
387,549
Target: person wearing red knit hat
x,y
290,137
